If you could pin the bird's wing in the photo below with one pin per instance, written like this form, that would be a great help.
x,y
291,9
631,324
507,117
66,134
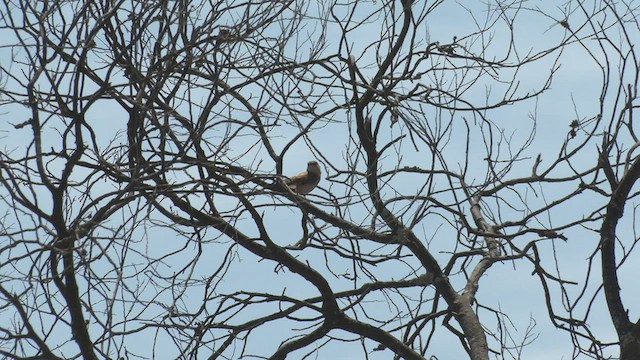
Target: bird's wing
x,y
297,178
303,182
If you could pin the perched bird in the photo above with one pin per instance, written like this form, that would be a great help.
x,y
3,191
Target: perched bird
x,y
307,180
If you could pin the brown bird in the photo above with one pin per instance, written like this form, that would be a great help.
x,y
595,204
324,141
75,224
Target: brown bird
x,y
307,180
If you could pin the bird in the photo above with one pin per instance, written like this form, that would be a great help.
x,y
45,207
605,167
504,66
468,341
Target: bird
x,y
306,181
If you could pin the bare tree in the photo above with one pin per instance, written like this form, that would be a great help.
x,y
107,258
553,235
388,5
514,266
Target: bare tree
x,y
148,213
614,27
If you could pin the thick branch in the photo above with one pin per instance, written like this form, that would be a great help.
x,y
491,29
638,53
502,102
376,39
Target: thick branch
x,y
611,284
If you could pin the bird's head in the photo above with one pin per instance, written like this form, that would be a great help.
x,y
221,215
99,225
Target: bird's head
x,y
313,167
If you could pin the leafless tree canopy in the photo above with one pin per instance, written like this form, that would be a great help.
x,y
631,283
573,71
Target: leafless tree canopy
x,y
146,147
